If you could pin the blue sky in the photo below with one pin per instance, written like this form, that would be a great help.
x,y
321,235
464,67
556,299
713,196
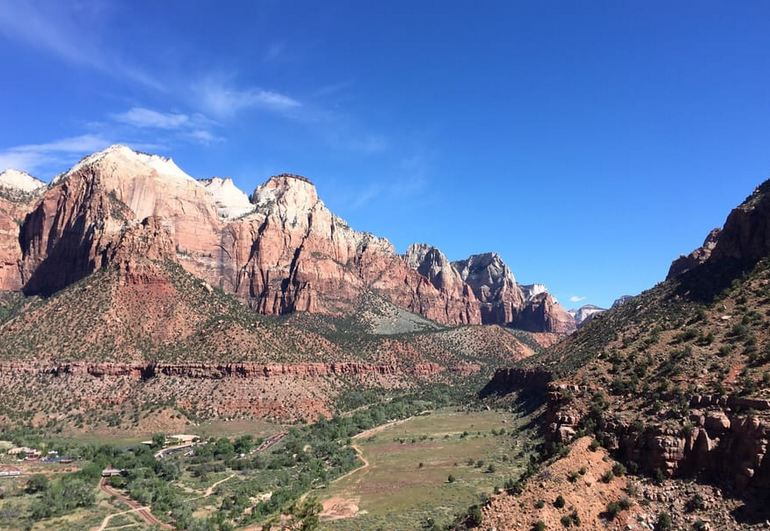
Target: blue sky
x,y
589,143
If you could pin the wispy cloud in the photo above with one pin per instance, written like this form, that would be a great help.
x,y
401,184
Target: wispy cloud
x,y
577,298
34,157
142,117
275,51
65,30
223,100
188,127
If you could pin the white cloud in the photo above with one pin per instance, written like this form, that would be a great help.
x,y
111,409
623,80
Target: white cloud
x,y
34,157
142,117
576,298
224,101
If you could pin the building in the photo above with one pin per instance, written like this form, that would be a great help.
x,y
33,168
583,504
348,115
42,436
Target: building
x,y
183,438
25,452
9,471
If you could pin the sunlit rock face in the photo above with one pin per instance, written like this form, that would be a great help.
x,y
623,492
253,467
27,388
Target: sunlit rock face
x,y
280,249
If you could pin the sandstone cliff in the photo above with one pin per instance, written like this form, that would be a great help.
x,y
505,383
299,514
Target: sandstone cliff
x,y
281,249
18,191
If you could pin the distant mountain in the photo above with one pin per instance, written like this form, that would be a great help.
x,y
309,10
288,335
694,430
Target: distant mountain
x,y
19,180
585,313
622,300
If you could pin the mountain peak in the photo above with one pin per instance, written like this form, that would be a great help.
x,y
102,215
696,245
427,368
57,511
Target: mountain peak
x,y
124,156
230,200
19,180
293,193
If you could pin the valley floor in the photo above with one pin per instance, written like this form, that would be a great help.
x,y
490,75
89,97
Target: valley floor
x,y
404,483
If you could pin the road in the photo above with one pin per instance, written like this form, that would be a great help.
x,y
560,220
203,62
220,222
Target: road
x,y
269,442
165,452
143,512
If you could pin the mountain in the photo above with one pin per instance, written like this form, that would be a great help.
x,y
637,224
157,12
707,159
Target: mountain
x,y
127,278
280,250
621,300
504,301
584,313
20,181
230,201
677,384
18,191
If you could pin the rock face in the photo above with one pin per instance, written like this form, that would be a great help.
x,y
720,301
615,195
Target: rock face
x,y
18,191
281,249
744,239
544,311
746,233
494,286
695,258
530,290
231,202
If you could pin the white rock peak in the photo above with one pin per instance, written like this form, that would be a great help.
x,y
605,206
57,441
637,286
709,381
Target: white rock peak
x,y
230,200
19,180
118,153
532,290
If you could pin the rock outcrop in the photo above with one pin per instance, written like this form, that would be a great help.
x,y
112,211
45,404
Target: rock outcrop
x,y
745,236
695,258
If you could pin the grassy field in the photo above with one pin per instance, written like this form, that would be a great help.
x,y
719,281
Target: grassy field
x,y
406,480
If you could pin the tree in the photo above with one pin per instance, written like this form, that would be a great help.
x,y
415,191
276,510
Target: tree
x,y
36,483
158,440
450,479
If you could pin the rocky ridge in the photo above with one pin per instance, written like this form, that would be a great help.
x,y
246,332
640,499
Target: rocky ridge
x,y
675,383
281,249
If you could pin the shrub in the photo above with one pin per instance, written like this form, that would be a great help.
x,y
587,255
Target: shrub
x,y
613,509
594,445
538,526
474,516
607,476
664,522
696,503
566,521
618,469
559,502
539,504
451,479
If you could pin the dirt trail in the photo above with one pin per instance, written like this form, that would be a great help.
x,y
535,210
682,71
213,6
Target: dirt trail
x,y
143,512
109,517
209,491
